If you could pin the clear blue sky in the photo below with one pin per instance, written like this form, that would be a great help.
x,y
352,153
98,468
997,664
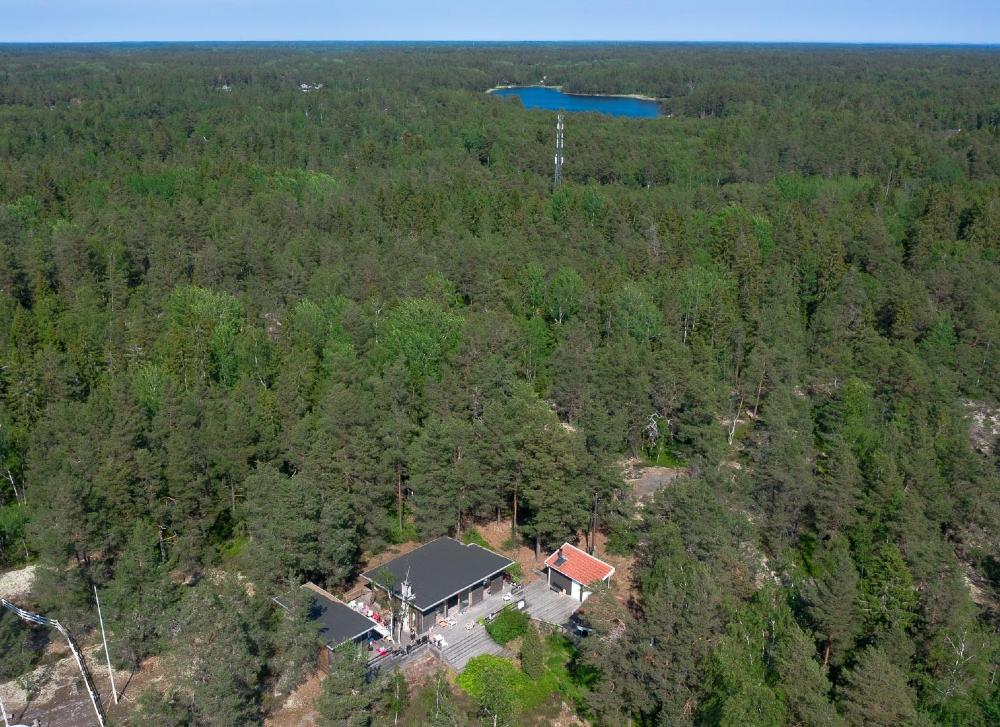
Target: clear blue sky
x,y
907,21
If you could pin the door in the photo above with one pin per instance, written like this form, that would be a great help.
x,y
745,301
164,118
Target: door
x,y
561,582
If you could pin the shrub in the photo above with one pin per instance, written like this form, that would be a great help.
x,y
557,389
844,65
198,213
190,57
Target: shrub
x,y
472,536
532,659
514,571
508,625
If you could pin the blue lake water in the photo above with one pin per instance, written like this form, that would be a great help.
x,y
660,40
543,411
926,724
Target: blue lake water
x,y
552,99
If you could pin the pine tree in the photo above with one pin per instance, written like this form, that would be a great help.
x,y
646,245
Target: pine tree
x,y
801,683
219,652
444,475
348,699
831,600
875,692
296,639
837,495
138,598
283,524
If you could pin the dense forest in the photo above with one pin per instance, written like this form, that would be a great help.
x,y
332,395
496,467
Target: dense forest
x,y
251,335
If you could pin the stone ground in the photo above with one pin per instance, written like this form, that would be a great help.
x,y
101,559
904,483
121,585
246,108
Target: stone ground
x,y
53,693
17,583
645,480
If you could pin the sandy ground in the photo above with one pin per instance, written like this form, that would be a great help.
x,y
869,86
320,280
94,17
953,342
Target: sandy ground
x,y
15,584
299,708
498,535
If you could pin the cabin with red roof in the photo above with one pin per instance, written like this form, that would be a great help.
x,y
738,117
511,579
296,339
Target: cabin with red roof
x,y
576,572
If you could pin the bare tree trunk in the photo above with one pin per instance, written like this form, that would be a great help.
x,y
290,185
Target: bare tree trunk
x,y
979,374
513,517
538,546
592,540
826,651
736,419
17,496
399,495
760,386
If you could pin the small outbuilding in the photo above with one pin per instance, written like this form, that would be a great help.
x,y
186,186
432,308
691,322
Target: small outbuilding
x,y
575,572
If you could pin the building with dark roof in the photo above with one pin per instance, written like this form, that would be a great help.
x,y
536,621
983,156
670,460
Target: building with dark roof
x,y
437,578
572,570
339,623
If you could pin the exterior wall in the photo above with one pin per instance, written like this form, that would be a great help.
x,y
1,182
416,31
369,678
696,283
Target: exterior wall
x,y
477,595
559,582
422,621
496,583
575,591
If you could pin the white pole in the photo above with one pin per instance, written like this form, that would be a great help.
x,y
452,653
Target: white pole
x,y
91,689
111,672
95,698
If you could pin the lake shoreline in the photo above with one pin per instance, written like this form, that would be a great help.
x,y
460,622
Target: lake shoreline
x,y
637,96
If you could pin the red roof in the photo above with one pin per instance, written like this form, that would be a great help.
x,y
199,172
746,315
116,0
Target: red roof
x,y
578,565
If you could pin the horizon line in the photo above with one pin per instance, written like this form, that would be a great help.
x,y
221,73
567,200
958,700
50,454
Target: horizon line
x,y
648,41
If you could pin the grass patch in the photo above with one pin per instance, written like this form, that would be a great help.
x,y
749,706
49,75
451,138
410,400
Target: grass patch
x,y
406,534
472,536
662,458
563,672
233,548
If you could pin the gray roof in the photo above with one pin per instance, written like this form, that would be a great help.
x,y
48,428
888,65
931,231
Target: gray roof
x,y
440,569
339,622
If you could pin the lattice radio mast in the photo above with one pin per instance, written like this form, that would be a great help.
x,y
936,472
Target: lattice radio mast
x,y
559,150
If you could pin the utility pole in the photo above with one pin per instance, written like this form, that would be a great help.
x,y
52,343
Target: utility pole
x,y
104,638
559,150
35,618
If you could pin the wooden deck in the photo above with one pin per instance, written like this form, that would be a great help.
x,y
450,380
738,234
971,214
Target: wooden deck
x,y
547,606
542,604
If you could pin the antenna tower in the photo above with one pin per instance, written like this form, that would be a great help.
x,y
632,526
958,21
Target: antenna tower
x,y
559,150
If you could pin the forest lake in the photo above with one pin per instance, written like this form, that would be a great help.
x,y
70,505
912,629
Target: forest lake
x,y
553,98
